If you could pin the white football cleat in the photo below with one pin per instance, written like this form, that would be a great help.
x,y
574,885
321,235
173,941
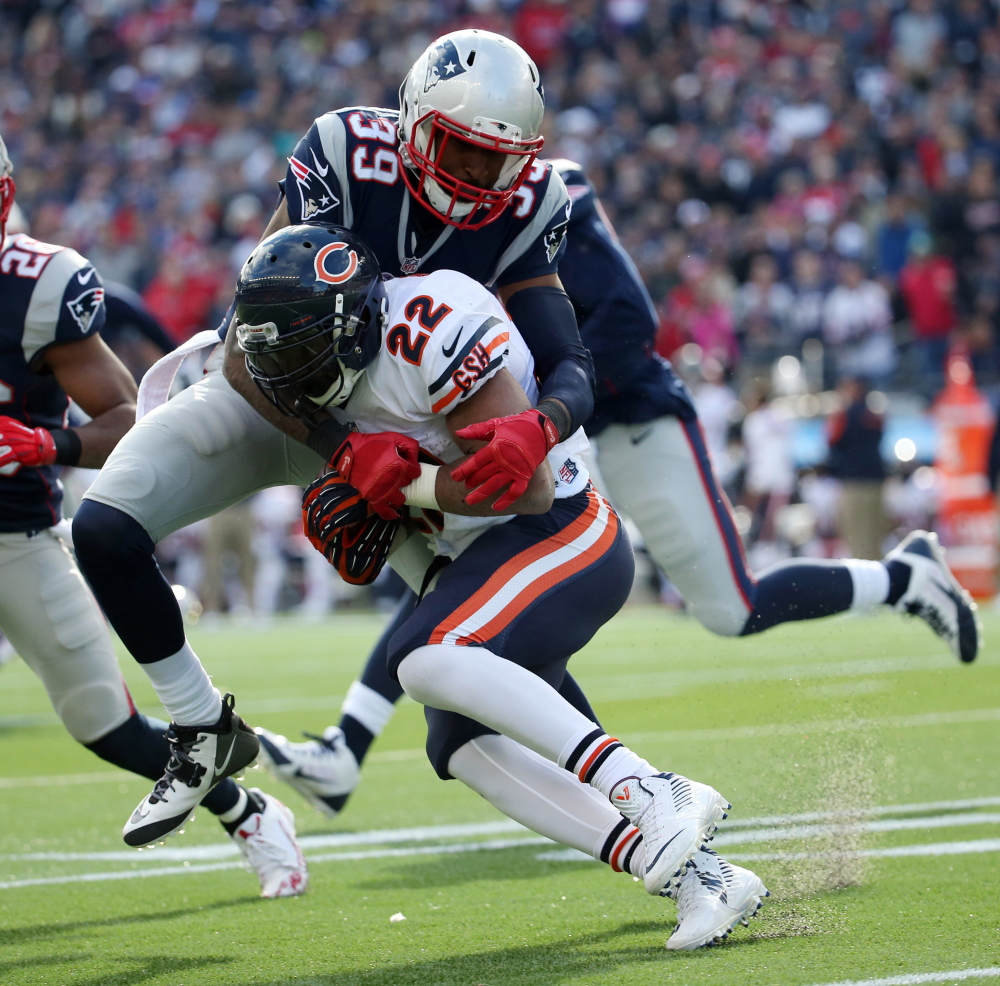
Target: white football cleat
x,y
935,595
713,896
267,841
200,757
323,770
676,817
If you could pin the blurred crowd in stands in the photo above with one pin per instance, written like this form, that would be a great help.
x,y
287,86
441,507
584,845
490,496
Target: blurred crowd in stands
x,y
810,189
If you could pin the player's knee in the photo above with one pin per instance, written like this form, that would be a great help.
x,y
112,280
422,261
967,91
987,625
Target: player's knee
x,y
105,537
423,670
726,621
93,710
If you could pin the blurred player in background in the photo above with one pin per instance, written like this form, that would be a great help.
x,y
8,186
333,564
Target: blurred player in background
x,y
52,308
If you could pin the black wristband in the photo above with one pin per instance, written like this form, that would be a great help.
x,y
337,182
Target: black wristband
x,y
327,437
68,446
558,415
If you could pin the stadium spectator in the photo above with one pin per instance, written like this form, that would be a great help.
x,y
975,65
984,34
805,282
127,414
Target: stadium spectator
x,y
857,327
854,434
927,284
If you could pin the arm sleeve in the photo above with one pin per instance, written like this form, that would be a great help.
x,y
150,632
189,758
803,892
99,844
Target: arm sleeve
x,y
545,318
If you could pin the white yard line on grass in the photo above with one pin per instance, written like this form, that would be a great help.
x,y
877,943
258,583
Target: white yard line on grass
x,y
559,855
915,978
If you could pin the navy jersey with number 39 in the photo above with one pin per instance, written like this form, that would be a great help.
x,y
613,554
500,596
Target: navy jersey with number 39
x,y
347,170
48,294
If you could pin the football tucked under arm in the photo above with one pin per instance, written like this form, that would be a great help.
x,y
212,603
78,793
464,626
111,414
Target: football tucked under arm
x,y
341,525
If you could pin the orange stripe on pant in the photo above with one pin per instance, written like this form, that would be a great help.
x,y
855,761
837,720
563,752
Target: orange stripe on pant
x,y
539,585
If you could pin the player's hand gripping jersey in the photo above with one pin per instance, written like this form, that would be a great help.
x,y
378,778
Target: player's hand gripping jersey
x,y
347,170
444,337
48,295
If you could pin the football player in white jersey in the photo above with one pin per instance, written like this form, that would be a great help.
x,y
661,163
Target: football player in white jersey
x,y
522,574
51,314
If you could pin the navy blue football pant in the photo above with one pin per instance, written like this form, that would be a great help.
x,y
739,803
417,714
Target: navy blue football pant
x,y
533,591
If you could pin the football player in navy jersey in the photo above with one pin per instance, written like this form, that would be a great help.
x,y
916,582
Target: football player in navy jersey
x,y
450,181
52,311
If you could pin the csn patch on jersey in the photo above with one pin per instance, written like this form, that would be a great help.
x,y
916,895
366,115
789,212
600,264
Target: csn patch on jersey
x,y
442,64
84,307
317,196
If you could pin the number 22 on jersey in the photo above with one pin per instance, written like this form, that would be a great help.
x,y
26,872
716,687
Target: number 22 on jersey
x,y
398,339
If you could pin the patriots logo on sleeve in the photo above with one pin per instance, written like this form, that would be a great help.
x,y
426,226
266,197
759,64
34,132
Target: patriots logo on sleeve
x,y
555,236
442,64
85,306
317,196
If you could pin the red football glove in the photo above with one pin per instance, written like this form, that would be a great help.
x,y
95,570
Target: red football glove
x,y
29,446
517,446
378,466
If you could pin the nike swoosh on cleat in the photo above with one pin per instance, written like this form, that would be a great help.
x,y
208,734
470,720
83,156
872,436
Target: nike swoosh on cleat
x,y
642,436
450,352
652,862
307,777
225,763
82,279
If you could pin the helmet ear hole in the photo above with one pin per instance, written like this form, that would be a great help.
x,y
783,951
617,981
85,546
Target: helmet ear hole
x,y
472,57
307,245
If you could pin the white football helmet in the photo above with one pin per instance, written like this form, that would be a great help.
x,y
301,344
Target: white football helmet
x,y
7,187
479,88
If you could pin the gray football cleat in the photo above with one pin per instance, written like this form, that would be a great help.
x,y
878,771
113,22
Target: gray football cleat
x,y
323,770
935,596
712,898
676,817
200,757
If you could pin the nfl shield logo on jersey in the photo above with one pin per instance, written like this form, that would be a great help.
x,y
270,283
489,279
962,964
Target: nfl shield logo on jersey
x,y
443,63
317,196
84,307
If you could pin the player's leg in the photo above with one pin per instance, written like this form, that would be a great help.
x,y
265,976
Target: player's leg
x,y
202,451
57,627
535,590
326,769
660,474
714,894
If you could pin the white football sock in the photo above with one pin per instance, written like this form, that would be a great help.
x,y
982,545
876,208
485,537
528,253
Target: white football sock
x,y
365,704
185,689
601,760
495,692
871,583
237,809
547,799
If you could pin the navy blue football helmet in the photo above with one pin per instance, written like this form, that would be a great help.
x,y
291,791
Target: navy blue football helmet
x,y
310,309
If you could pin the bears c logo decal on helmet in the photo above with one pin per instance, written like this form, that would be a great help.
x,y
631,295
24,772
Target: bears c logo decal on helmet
x,y
323,274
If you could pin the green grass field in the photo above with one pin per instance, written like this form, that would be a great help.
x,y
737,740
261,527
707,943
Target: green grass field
x,y
863,763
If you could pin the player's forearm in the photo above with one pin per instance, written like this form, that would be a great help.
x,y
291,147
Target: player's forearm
x,y
99,436
537,499
235,371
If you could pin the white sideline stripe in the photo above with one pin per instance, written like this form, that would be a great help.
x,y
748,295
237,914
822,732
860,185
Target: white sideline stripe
x,y
785,830
940,849
768,828
915,978
425,833
461,847
887,825
924,849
